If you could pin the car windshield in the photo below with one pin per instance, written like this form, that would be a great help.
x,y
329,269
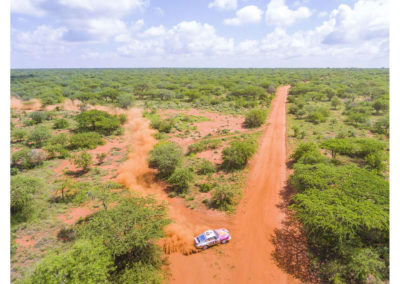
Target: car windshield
x,y
202,238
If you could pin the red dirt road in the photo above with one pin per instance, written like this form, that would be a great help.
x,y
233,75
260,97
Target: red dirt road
x,y
247,259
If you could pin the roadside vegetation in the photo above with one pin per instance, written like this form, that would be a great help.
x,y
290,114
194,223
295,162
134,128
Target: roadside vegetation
x,y
339,136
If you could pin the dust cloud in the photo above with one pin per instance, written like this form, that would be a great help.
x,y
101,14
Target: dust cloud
x,y
136,175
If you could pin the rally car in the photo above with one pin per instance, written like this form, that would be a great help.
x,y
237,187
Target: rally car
x,y
212,237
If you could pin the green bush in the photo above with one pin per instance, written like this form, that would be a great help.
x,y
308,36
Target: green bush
x,y
82,160
238,153
123,118
318,115
255,118
59,139
181,179
128,228
204,145
18,134
22,190
56,151
27,158
205,187
205,167
38,116
303,149
125,100
86,262
85,140
39,135
97,121
166,156
162,125
61,123
224,198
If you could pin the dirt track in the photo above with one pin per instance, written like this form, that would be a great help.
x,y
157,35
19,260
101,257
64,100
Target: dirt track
x,y
247,259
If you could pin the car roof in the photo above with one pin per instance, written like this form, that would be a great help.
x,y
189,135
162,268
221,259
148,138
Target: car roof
x,y
209,233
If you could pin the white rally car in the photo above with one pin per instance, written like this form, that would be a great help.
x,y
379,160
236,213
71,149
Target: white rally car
x,y
212,237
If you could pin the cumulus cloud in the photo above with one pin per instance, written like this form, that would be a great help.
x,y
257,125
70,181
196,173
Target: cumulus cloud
x,y
366,21
43,40
109,7
223,4
249,14
279,14
187,37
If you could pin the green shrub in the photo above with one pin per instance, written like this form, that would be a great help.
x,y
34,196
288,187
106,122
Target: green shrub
x,y
303,149
38,116
39,135
205,167
123,118
162,125
335,102
82,160
85,140
22,190
165,157
59,139
238,153
86,262
255,118
27,158
61,123
125,100
18,134
56,151
181,179
205,187
382,126
224,198
318,115
204,145
97,121
128,228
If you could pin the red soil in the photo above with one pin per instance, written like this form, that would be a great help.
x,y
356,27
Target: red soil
x,y
217,122
27,241
75,214
248,258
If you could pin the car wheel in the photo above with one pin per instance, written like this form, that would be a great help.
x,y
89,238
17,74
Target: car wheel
x,y
224,242
205,247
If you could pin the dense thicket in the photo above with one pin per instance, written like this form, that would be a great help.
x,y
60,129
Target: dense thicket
x,y
113,246
344,211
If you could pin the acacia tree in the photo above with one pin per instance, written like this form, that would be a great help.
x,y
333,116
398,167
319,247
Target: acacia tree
x,y
82,160
86,262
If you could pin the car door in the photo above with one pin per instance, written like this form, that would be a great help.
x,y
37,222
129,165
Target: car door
x,y
213,241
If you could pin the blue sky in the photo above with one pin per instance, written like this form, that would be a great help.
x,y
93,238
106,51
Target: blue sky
x,y
201,33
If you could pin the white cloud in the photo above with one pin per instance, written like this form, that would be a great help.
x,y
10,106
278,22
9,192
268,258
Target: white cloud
x,y
132,29
29,7
43,40
154,32
223,4
249,14
109,7
188,37
366,21
278,14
